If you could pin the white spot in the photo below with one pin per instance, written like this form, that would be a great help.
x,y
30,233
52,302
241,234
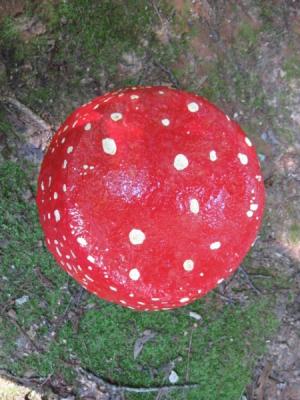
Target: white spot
x,y
49,215
201,274
193,107
248,141
68,257
81,241
243,158
56,215
65,164
85,166
215,245
109,146
165,122
180,162
64,187
131,295
253,207
49,181
123,301
134,274
134,97
75,123
63,140
69,149
91,259
220,281
249,214
161,92
89,278
58,251
258,178
199,291
141,303
184,299
194,206
96,106
136,236
55,195
42,185
188,265
155,299
227,117
88,126
116,116
73,255
64,237
113,289
212,155
65,128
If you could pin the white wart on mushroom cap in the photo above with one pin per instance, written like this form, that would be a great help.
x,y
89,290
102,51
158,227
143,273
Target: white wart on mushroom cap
x,y
150,197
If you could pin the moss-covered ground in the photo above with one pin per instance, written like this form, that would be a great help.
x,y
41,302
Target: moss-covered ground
x,y
48,323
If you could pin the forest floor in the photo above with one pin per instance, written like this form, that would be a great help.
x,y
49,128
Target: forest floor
x,y
240,342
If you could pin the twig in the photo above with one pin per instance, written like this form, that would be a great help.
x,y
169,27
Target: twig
x,y
117,388
246,276
157,11
226,298
30,382
168,72
21,330
189,355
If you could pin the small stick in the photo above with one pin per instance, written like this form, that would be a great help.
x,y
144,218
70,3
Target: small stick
x,y
116,388
167,71
189,354
246,276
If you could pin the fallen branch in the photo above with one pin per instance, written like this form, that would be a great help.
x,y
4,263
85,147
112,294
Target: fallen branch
x,y
246,276
29,382
118,388
43,125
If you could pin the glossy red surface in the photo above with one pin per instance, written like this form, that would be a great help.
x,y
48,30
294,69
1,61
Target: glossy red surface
x,y
149,197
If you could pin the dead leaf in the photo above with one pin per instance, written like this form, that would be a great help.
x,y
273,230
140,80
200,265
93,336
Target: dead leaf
x,y
141,341
12,314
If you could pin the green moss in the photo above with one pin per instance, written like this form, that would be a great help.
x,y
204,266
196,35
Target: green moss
x,y
224,347
295,233
10,44
247,36
292,68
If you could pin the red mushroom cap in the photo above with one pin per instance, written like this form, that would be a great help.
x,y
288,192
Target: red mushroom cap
x,y
149,197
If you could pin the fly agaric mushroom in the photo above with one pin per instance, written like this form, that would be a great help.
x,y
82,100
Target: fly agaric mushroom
x,y
150,197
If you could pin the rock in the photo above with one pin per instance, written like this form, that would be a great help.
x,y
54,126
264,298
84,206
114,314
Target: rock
x,y
22,300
